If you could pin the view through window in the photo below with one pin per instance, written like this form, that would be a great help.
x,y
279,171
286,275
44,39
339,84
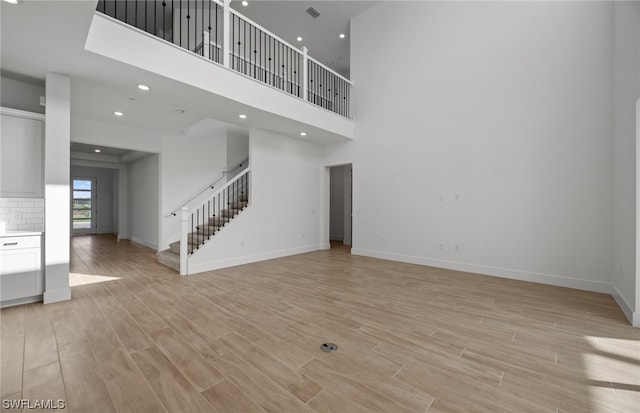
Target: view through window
x,y
82,199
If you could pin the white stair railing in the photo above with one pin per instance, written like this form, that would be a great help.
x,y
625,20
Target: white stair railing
x,y
201,223
223,174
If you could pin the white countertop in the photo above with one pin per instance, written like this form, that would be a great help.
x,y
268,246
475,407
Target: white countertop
x,y
19,233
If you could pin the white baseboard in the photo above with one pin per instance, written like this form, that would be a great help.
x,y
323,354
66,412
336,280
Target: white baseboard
x,y
325,246
55,296
550,279
248,259
20,301
627,309
145,243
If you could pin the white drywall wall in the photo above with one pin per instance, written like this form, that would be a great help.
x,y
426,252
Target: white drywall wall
x,y
336,230
627,92
18,94
283,217
144,201
189,164
486,126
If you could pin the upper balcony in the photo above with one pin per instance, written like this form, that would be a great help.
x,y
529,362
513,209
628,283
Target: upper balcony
x,y
211,30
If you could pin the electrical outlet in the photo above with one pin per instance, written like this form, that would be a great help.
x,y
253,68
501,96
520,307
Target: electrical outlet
x,y
382,240
303,235
456,247
442,245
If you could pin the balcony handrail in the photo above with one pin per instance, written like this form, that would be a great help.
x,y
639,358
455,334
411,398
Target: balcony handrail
x,y
223,173
330,70
219,191
295,79
276,37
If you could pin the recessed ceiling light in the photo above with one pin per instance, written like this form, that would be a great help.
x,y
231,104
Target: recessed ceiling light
x,y
342,35
299,39
243,116
143,87
303,133
118,113
97,150
245,3
13,1
179,111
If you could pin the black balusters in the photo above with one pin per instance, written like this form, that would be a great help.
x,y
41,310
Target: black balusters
x,y
253,52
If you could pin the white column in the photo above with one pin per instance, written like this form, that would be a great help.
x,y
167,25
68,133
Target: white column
x,y
226,34
305,73
184,241
57,203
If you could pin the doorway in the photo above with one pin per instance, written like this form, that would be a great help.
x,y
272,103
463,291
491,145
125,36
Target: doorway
x,y
83,205
340,204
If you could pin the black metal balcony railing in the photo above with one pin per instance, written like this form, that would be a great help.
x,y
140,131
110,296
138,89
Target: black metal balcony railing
x,y
199,26
261,56
328,90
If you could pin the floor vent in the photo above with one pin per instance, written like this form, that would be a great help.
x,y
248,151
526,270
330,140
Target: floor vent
x,y
313,12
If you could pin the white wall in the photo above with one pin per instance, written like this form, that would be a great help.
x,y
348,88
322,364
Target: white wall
x,y
495,136
18,94
627,92
115,178
189,164
237,144
144,200
283,217
105,195
336,226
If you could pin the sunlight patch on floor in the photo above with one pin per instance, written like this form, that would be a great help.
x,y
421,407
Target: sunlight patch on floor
x,y
76,279
612,371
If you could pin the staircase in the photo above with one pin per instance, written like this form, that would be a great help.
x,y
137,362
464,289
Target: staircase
x,y
209,218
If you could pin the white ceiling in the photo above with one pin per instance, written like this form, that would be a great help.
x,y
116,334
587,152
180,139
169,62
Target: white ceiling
x,y
91,149
48,36
289,19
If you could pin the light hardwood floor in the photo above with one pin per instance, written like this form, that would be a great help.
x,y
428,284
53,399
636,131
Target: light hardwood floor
x,y
247,339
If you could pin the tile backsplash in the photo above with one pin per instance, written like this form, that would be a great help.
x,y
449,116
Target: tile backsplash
x,y
21,214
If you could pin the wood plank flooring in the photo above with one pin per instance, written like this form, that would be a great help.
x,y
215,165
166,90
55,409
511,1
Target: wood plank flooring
x,y
137,337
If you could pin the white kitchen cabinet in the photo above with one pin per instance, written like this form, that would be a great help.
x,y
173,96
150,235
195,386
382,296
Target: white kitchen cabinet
x,y
21,279
21,148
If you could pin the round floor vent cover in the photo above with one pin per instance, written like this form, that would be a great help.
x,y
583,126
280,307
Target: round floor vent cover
x,y
328,347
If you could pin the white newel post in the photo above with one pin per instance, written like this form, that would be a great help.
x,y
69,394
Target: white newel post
x,y
226,41
206,44
305,73
184,241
